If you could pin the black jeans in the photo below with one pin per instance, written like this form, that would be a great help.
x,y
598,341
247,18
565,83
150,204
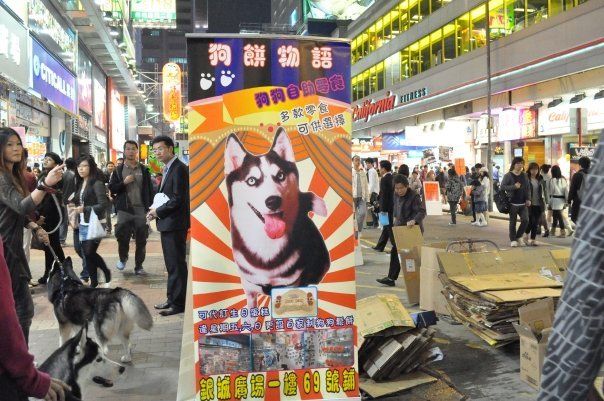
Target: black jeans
x,y
24,306
515,212
535,213
126,224
558,219
174,246
55,243
95,261
453,211
386,235
374,216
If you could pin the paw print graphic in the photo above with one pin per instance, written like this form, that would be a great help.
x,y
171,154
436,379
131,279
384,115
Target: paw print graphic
x,y
206,81
226,78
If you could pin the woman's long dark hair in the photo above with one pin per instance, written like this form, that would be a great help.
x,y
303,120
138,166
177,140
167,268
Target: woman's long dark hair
x,y
531,166
18,168
556,172
94,171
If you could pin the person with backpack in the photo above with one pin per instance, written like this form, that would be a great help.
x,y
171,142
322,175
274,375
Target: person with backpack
x,y
516,186
546,212
453,191
538,202
576,188
558,193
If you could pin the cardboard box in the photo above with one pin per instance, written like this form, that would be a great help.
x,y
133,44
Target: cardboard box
x,y
534,329
562,258
409,241
380,313
431,287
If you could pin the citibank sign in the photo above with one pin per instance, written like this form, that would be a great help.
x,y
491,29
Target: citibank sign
x,y
52,80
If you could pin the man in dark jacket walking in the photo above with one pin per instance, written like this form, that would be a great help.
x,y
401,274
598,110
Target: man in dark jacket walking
x,y
516,185
574,195
385,198
131,187
408,210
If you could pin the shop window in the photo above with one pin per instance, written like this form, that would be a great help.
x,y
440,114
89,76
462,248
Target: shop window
x,y
379,33
395,17
379,70
449,42
405,64
424,9
436,45
436,4
355,89
372,39
479,27
387,28
393,69
463,34
364,45
372,80
497,21
515,14
404,15
366,91
424,50
414,14
536,11
414,59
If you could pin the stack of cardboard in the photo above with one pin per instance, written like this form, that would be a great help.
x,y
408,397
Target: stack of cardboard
x,y
391,343
484,290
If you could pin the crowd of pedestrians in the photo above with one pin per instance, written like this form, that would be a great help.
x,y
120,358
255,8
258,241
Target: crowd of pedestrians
x,y
36,207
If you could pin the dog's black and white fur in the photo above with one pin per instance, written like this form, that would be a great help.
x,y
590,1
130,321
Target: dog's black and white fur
x,y
275,243
78,359
113,312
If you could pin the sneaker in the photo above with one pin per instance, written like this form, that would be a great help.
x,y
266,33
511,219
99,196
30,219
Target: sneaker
x,y
121,265
475,223
140,271
483,224
386,281
521,242
452,224
514,244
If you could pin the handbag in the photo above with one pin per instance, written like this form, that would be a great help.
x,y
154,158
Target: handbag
x,y
502,202
95,227
384,219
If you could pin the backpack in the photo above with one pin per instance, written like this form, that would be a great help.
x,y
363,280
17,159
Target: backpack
x,y
502,202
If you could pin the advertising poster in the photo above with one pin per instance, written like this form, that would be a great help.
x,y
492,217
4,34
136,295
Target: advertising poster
x,y
84,82
434,206
272,240
99,96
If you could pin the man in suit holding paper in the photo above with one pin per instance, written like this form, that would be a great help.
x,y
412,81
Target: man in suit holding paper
x,y
172,223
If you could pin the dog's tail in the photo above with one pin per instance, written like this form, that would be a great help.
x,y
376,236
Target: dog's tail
x,y
136,310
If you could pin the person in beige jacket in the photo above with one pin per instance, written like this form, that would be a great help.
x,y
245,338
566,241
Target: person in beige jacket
x,y
360,192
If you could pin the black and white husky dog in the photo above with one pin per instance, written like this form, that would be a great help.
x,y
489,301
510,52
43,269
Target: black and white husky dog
x,y
79,359
113,311
274,241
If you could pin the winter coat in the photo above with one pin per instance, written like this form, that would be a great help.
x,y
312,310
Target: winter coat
x,y
454,189
558,193
364,184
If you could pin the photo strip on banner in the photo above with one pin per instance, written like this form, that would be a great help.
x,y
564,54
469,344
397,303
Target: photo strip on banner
x,y
272,240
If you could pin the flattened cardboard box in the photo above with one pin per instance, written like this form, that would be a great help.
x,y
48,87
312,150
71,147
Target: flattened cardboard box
x,y
534,329
431,288
409,241
382,312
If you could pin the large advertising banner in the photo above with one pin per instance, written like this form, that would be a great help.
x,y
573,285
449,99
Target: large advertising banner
x,y
272,240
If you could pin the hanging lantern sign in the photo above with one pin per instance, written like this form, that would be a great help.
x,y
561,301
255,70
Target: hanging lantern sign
x,y
171,92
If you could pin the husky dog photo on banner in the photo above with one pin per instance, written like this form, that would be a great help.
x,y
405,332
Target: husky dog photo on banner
x,y
275,243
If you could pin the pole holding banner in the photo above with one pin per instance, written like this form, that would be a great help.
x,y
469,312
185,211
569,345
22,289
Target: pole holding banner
x,y
272,225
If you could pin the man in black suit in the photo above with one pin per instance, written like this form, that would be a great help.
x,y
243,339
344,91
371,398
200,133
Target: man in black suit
x,y
173,223
386,199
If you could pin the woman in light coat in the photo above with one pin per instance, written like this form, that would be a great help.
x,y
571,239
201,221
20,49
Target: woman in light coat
x,y
558,193
360,192
485,182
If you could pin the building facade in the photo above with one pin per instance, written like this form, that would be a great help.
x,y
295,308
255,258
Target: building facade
x,y
430,58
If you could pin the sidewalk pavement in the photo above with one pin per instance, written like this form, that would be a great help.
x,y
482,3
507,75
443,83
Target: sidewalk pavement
x,y
483,373
153,373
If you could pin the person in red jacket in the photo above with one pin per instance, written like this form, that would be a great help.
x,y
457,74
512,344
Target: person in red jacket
x,y
18,376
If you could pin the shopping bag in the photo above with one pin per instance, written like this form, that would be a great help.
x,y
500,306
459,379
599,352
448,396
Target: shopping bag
x,y
95,227
384,220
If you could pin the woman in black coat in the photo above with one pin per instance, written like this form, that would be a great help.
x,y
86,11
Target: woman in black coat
x,y
91,196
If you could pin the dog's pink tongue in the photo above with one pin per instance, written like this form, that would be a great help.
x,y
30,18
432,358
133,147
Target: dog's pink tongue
x,y
274,226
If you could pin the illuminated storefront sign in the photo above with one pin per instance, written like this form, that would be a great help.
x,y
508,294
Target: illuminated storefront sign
x,y
100,99
84,82
336,9
118,121
58,39
171,91
153,14
13,49
51,80
370,108
416,94
556,120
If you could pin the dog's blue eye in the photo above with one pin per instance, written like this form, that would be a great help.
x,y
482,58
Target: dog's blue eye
x,y
280,176
251,181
